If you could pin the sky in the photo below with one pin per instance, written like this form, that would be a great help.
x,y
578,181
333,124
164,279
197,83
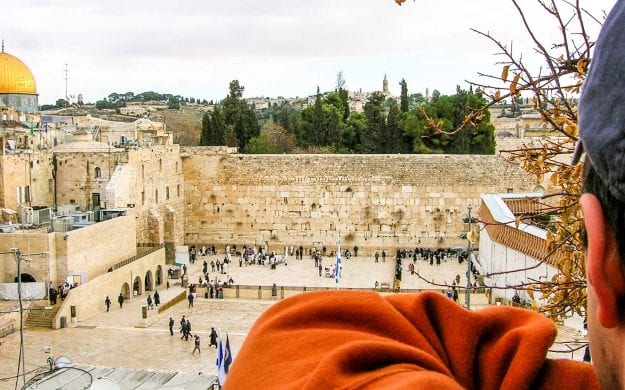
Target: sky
x,y
194,48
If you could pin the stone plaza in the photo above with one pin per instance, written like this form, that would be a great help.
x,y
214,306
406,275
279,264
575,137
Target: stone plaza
x,y
121,338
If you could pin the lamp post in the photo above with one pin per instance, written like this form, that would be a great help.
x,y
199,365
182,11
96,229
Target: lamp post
x,y
18,258
468,294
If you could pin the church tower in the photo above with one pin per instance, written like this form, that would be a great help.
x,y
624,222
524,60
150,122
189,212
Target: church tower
x,y
385,85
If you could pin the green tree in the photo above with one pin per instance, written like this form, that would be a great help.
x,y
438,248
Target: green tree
x,y
403,97
239,116
213,128
343,94
373,140
317,121
173,103
395,143
273,139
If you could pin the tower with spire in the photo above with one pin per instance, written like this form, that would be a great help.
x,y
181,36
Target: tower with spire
x,y
385,85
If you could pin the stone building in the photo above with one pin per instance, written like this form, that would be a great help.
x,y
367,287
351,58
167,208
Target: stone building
x,y
516,253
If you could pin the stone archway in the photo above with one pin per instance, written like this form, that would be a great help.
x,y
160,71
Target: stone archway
x,y
125,291
26,278
148,281
137,286
159,275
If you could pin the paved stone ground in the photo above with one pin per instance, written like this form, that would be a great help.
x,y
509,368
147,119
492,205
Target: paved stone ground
x,y
120,338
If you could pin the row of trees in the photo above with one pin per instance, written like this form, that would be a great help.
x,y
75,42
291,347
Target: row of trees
x,y
116,100
411,126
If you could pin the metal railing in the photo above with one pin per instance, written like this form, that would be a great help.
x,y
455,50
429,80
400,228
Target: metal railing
x,y
138,256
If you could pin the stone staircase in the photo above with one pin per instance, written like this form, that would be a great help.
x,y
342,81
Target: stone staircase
x,y
41,315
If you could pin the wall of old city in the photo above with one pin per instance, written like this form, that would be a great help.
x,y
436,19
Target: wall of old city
x,y
373,201
160,194
27,169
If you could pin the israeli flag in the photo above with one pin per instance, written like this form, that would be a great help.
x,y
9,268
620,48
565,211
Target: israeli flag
x,y
337,268
224,360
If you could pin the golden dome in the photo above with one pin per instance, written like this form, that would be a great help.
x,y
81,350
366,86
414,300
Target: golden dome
x,y
15,77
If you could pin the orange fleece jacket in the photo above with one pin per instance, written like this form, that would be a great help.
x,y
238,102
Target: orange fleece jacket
x,y
344,339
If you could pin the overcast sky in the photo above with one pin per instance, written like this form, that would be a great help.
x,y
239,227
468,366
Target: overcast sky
x,y
273,47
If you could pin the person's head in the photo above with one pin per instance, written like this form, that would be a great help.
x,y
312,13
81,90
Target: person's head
x,y
602,137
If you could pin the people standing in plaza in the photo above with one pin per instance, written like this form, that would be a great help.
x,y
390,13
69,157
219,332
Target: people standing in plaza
x,y
171,326
383,256
213,338
120,300
183,324
190,298
157,298
187,331
107,302
149,302
196,342
376,256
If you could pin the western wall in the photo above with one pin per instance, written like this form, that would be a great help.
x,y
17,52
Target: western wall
x,y
373,201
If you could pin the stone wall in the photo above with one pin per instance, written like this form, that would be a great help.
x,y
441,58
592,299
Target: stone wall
x,y
96,248
76,178
28,169
91,250
38,256
373,201
160,194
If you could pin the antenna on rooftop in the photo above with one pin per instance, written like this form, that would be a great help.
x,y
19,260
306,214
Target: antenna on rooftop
x,y
66,78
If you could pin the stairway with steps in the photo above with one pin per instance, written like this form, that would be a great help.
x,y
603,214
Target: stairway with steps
x,y
42,315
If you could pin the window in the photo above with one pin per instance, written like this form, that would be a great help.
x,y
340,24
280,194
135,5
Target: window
x,y
142,198
156,196
98,172
166,193
178,190
22,194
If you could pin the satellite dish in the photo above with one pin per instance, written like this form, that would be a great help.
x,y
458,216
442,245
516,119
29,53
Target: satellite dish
x,y
104,383
62,362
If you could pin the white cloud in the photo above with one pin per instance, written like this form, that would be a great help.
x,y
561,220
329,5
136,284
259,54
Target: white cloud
x,y
275,47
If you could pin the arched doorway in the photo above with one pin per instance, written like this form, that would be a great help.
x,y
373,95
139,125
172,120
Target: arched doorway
x,y
159,275
149,282
137,286
125,291
26,278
